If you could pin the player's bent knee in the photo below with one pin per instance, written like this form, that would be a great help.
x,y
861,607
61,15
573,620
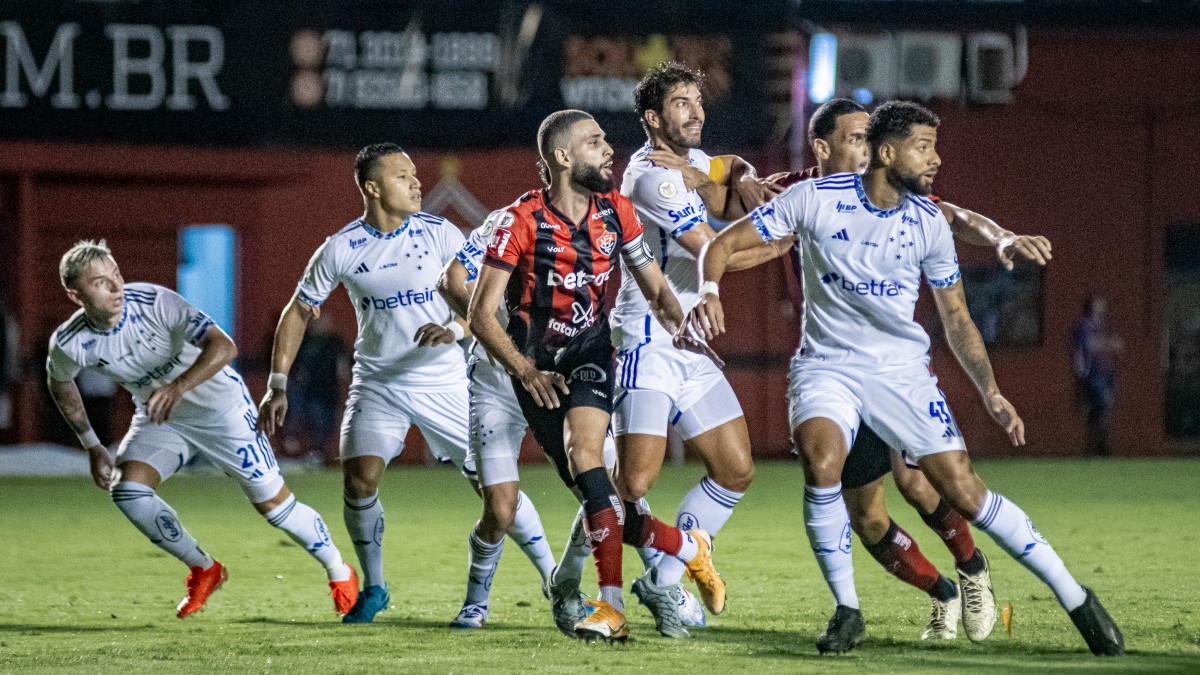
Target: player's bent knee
x,y
634,487
965,495
735,478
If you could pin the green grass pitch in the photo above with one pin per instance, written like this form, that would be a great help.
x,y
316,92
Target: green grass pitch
x,y
82,591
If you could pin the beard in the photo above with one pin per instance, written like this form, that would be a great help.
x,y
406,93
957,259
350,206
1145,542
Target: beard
x,y
677,137
590,178
908,183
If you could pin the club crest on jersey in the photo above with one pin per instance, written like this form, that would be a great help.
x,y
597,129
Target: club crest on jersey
x,y
505,221
606,243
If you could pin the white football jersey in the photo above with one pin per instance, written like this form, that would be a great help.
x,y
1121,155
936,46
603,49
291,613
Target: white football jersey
x,y
470,254
157,338
668,210
392,282
862,268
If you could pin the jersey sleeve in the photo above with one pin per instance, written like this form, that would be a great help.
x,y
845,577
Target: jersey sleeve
x,y
663,200
449,239
470,254
940,263
320,277
181,317
512,238
631,224
59,365
783,215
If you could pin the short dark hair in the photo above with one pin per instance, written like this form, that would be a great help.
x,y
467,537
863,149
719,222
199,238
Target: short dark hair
x,y
369,156
895,119
553,128
824,120
651,92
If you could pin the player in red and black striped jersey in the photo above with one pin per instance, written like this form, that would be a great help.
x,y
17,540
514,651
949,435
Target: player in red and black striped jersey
x,y
550,258
837,135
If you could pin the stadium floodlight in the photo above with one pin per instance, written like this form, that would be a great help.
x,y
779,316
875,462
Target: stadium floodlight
x,y
822,67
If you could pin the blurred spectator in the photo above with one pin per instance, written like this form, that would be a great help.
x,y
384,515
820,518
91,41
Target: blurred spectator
x,y
314,393
9,367
1096,349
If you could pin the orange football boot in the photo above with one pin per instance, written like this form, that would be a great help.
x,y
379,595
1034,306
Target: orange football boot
x,y
345,593
201,583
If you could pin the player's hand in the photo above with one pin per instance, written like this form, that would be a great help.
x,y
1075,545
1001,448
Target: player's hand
x,y
707,317
1032,248
541,384
687,339
104,473
1006,416
692,177
162,402
755,191
433,334
271,411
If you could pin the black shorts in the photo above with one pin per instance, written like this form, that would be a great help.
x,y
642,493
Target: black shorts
x,y
869,460
587,364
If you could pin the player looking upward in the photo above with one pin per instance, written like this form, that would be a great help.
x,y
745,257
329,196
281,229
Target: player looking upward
x,y
549,260
407,368
175,362
863,358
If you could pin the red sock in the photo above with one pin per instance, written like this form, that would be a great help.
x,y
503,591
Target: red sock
x,y
605,531
901,557
643,529
954,530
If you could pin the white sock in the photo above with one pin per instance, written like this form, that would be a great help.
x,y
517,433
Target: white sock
x,y
1009,527
708,507
483,558
158,521
305,527
612,595
828,526
650,556
529,534
577,550
364,521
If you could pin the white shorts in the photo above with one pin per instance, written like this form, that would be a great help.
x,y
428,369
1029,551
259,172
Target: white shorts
x,y
498,426
226,439
376,424
903,405
659,385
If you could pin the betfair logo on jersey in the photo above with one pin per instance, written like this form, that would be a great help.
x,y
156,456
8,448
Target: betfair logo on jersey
x,y
873,287
158,373
400,299
573,280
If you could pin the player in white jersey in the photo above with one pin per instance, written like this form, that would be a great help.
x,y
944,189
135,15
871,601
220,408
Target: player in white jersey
x,y
175,362
408,369
866,240
497,431
659,386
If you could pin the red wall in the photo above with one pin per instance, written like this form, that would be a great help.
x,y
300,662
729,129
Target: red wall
x,y
1098,151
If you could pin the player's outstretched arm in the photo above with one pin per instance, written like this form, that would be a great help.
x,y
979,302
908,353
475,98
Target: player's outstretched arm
x,y
70,403
979,230
452,285
481,318
708,317
694,240
967,345
216,351
288,336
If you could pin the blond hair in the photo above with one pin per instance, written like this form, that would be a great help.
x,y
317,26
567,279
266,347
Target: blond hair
x,y
78,257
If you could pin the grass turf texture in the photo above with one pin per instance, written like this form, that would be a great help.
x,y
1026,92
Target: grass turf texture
x,y
83,591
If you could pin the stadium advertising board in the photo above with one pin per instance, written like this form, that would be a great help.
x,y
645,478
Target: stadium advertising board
x,y
433,75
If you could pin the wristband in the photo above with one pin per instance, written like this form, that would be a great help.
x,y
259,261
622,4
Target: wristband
x,y
277,381
89,439
708,288
456,328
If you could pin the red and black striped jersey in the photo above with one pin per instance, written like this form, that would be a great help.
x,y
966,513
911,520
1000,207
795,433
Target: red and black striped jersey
x,y
560,269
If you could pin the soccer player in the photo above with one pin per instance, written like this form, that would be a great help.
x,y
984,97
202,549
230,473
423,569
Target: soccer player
x,y
863,358
407,368
550,259
837,135
658,385
175,362
497,431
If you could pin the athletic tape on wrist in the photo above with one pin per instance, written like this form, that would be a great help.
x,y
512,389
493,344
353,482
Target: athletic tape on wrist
x,y
277,381
456,328
708,287
89,439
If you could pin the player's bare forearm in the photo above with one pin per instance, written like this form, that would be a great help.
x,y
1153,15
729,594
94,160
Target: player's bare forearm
x,y
714,257
217,350
662,301
481,319
289,334
744,260
70,404
452,285
973,228
964,339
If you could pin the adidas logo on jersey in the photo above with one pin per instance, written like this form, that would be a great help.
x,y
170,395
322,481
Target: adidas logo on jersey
x,y
842,236
362,267
874,288
846,208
